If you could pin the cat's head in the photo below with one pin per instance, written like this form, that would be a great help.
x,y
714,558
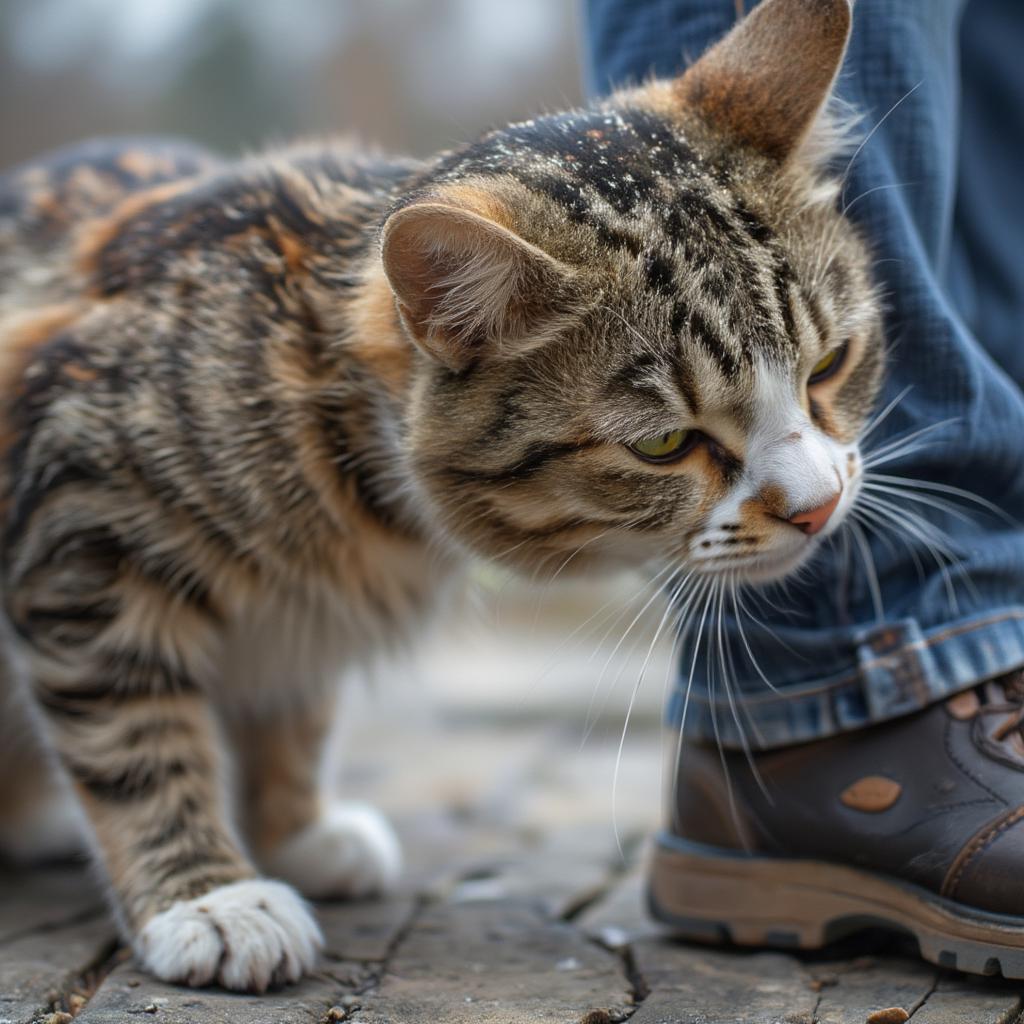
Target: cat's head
x,y
648,329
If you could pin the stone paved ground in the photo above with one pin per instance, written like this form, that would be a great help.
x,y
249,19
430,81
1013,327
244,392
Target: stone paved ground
x,y
521,904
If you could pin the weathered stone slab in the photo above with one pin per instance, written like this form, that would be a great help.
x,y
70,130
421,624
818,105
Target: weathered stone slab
x,y
129,995
620,917
570,783
53,928
364,930
358,935
696,985
502,962
560,871
33,900
962,999
472,773
516,908
441,849
43,969
851,991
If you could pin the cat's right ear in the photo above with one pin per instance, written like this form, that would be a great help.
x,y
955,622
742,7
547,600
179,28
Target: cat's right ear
x,y
466,285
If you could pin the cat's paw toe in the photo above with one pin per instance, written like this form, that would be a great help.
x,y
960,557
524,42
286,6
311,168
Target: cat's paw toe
x,y
245,936
351,850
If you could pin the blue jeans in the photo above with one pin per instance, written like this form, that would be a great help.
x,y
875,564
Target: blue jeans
x,y
939,190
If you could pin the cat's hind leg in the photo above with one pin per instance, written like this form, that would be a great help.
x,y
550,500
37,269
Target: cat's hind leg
x,y
325,848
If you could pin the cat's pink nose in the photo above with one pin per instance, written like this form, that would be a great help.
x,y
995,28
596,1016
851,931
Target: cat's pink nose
x,y
813,520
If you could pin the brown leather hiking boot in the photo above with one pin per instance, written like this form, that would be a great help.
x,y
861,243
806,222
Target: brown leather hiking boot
x,y
916,824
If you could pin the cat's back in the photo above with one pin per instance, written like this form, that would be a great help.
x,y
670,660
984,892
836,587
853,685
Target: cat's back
x,y
133,198
152,299
45,202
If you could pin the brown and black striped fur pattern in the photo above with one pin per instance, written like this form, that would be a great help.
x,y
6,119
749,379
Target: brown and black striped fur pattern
x,y
254,412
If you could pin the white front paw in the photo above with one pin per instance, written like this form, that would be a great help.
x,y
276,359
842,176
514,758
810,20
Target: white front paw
x,y
351,850
245,936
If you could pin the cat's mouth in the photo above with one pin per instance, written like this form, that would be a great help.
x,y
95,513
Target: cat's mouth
x,y
781,556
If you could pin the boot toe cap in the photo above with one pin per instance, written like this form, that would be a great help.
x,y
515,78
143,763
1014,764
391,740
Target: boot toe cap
x,y
989,873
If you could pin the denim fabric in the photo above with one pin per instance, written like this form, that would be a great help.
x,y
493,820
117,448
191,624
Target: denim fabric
x,y
938,191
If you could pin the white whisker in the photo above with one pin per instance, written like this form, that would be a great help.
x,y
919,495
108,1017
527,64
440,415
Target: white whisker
x,y
957,492
617,606
706,590
922,499
883,528
892,449
870,135
726,664
869,567
591,719
551,580
632,699
713,705
738,611
847,207
880,418
930,536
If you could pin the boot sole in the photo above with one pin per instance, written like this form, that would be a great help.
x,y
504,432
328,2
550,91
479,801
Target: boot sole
x,y
714,895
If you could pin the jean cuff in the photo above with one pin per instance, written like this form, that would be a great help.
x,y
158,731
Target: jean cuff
x,y
899,669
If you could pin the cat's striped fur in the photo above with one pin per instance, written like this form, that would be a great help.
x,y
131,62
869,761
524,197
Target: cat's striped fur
x,y
253,413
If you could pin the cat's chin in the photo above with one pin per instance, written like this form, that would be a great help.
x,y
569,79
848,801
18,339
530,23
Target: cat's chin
x,y
760,568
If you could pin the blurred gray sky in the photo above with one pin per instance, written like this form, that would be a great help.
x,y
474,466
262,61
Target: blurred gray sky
x,y
412,75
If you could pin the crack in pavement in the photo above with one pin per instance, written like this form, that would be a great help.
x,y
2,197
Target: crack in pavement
x,y
342,1008
639,990
817,1007
346,1006
84,983
924,999
617,869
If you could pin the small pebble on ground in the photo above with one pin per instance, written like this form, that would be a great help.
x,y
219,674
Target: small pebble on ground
x,y
892,1015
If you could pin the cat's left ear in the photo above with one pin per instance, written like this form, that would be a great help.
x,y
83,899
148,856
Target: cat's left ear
x,y
766,83
467,286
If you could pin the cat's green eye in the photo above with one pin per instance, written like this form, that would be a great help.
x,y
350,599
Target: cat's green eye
x,y
827,365
663,447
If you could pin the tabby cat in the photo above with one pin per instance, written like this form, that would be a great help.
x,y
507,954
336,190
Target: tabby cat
x,y
256,413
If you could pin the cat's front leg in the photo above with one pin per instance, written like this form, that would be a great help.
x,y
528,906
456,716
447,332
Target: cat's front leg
x,y
116,664
325,847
